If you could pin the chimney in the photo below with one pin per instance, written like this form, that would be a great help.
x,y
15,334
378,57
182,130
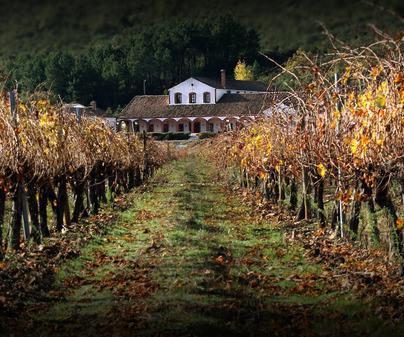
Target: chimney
x,y
223,78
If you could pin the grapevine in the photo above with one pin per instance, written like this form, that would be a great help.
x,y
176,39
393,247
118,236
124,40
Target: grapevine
x,y
46,153
343,140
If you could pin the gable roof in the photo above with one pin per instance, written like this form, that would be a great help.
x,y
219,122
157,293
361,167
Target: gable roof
x,y
233,84
157,106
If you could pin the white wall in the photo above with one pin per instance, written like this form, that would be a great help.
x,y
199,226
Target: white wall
x,y
216,126
204,126
191,85
158,126
111,122
172,126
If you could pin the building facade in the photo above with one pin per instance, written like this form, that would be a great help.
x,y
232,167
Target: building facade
x,y
196,105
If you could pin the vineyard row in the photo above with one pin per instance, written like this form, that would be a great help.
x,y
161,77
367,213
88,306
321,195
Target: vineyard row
x,y
336,152
47,154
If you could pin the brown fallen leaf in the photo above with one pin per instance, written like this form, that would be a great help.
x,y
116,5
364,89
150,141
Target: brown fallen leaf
x,y
220,260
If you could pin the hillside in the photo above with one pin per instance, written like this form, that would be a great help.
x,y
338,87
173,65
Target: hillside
x,y
44,25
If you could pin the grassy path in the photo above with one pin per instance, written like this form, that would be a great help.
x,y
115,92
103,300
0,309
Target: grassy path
x,y
188,259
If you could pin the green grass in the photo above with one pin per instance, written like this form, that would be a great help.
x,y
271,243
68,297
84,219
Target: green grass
x,y
173,235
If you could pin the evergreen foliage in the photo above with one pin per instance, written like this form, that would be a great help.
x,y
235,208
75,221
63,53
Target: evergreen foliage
x,y
163,55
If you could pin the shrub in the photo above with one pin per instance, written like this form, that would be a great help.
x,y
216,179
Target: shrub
x,y
170,135
205,135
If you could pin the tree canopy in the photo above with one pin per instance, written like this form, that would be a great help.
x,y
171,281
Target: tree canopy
x,y
112,73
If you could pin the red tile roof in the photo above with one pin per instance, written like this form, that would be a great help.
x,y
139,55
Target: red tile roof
x,y
157,106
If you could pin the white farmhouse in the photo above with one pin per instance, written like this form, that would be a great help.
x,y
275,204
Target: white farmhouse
x,y
196,105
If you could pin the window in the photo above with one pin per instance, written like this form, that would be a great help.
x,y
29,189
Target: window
x,y
192,97
211,127
206,97
166,127
150,128
178,98
180,127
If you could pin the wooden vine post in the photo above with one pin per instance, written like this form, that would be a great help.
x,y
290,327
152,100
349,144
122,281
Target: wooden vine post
x,y
304,211
339,187
145,159
304,191
2,211
20,205
280,199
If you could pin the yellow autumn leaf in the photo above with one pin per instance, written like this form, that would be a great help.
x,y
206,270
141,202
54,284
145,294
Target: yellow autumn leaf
x,y
336,114
354,146
244,162
22,107
346,75
364,141
42,102
381,101
321,170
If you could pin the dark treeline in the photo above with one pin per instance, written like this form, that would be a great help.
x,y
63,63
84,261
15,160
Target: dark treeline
x,y
112,73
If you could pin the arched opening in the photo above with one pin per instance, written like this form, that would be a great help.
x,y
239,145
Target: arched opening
x,y
177,98
184,125
169,125
155,125
192,97
214,125
231,123
206,97
197,127
136,126
211,127
124,125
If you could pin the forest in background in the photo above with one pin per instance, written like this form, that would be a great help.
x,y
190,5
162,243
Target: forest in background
x,y
103,50
162,54
44,25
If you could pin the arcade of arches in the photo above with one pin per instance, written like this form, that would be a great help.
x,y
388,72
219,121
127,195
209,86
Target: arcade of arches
x,y
184,124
